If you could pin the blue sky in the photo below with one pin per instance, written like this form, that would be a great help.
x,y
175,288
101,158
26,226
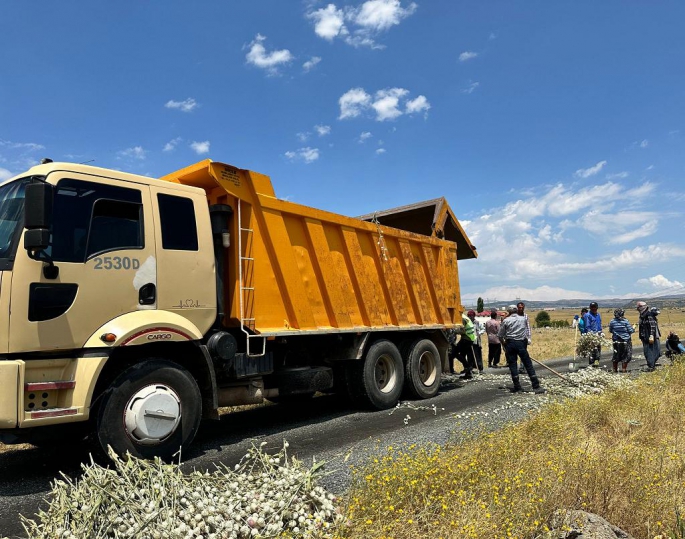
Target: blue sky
x,y
555,130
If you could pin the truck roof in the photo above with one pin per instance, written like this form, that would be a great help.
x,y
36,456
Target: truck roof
x,y
89,170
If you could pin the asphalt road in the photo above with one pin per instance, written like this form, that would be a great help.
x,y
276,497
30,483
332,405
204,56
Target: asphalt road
x,y
326,428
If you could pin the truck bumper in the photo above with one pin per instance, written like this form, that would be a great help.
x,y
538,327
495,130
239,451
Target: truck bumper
x,y
43,392
9,393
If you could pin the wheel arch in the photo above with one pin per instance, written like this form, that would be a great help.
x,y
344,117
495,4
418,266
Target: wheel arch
x,y
190,355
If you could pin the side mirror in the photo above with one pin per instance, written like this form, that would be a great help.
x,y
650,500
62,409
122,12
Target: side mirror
x,y
37,215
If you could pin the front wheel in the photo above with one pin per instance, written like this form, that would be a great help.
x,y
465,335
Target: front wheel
x,y
378,381
152,409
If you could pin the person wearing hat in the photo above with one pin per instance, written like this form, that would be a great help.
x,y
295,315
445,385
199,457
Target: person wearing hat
x,y
621,330
649,334
512,334
477,346
592,323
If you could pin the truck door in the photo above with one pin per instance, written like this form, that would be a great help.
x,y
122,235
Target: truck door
x,y
103,244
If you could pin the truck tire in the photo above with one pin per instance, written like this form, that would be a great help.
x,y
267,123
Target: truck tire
x,y
422,369
377,382
152,409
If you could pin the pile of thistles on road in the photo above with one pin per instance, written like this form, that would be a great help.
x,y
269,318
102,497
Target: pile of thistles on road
x,y
265,496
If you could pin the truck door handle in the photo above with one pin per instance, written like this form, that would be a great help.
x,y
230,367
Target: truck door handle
x,y
147,295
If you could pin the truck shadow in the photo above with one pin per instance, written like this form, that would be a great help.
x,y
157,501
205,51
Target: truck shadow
x,y
32,470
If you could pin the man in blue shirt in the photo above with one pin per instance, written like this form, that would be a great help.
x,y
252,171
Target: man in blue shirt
x,y
592,323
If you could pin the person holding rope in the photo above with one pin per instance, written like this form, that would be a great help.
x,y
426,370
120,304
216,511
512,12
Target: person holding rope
x,y
513,333
462,350
621,330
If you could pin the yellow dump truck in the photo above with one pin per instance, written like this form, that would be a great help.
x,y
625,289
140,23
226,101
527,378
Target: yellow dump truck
x,y
131,307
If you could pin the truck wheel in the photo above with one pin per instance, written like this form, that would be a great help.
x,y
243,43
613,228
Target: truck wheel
x,y
422,369
378,381
152,409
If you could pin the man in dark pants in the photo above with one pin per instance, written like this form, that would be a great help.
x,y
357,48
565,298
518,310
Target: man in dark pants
x,y
463,349
593,324
649,334
512,334
477,347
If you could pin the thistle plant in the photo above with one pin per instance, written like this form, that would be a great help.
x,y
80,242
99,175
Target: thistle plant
x,y
588,342
264,496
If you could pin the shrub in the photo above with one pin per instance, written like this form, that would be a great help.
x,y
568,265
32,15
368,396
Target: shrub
x,y
542,319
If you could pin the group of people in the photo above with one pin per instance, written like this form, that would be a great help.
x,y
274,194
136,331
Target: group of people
x,y
513,333
621,331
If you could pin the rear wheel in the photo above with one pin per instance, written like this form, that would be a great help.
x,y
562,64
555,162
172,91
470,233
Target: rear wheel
x,y
152,409
422,369
378,381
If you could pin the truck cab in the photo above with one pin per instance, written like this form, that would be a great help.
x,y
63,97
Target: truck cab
x,y
107,261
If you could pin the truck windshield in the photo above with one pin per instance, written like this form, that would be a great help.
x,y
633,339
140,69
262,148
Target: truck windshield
x,y
11,219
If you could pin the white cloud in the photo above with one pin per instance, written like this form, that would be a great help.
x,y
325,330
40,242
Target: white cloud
x,y
381,15
387,103
353,102
302,137
380,151
660,282
587,172
492,36
540,293
644,143
323,130
417,105
136,152
467,55
308,155
200,148
171,145
643,231
366,21
187,105
471,87
364,137
536,236
618,175
311,63
270,61
28,146
5,174
329,22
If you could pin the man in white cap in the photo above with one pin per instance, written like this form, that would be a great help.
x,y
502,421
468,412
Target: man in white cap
x,y
649,334
514,337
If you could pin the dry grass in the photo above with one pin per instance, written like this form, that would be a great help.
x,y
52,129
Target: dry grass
x,y
620,455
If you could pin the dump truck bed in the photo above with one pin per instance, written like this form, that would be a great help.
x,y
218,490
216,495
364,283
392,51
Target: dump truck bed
x,y
297,270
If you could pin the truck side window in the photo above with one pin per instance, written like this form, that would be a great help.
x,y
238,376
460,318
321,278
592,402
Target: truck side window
x,y
90,218
115,225
177,221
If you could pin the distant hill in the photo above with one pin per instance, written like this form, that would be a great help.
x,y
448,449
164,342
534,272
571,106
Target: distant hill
x,y
670,301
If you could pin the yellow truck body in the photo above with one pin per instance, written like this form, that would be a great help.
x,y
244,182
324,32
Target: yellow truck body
x,y
306,270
